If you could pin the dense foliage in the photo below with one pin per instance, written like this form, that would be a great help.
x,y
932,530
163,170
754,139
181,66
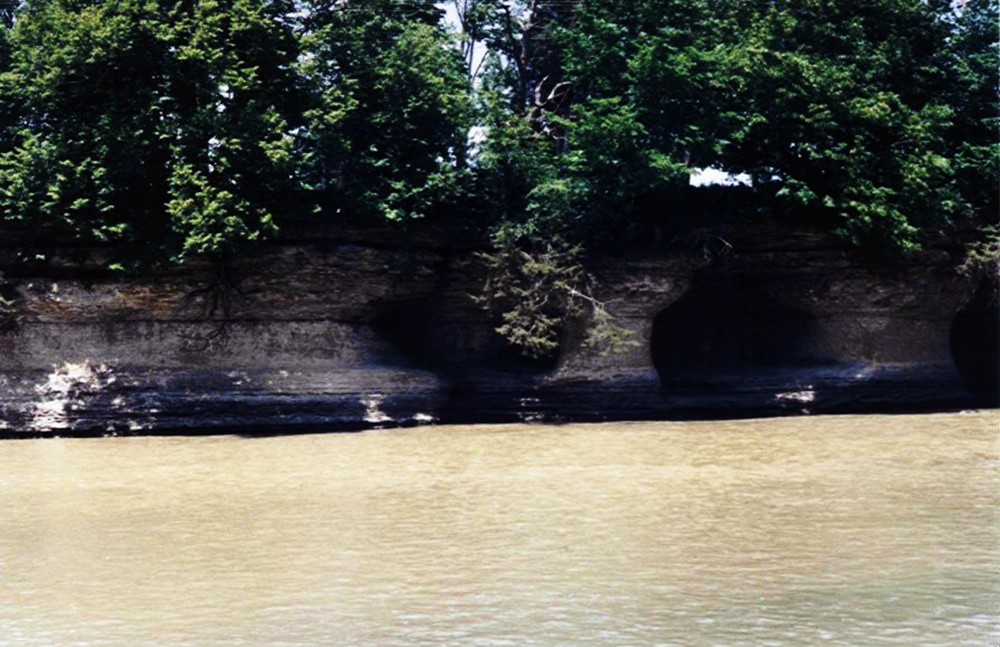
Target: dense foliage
x,y
197,126
386,129
877,117
164,125
194,127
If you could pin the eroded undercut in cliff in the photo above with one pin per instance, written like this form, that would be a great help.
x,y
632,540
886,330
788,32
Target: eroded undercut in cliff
x,y
975,346
730,325
430,334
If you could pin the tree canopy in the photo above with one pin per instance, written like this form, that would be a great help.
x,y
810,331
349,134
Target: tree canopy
x,y
162,124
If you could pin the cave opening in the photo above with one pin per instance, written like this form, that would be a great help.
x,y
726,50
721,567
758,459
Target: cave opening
x,y
975,345
728,325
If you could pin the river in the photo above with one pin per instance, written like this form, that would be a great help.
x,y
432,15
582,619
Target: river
x,y
854,530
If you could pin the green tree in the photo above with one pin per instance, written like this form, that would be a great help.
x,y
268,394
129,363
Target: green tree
x,y
388,129
519,34
162,124
235,106
842,112
630,111
80,78
974,55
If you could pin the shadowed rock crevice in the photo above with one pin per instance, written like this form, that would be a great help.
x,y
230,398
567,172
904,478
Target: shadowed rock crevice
x,y
425,334
975,346
483,379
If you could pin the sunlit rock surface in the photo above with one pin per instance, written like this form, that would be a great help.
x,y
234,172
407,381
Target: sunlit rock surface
x,y
350,329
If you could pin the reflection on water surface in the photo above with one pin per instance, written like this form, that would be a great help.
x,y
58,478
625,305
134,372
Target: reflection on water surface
x,y
806,531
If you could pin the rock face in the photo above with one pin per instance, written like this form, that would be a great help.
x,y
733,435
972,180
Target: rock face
x,y
351,329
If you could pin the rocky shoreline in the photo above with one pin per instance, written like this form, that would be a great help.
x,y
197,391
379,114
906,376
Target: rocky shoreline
x,y
348,330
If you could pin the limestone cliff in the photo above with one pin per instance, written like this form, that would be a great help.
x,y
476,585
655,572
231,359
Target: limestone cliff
x,y
349,329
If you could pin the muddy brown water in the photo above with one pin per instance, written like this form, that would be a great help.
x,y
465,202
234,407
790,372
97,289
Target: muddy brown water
x,y
854,530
